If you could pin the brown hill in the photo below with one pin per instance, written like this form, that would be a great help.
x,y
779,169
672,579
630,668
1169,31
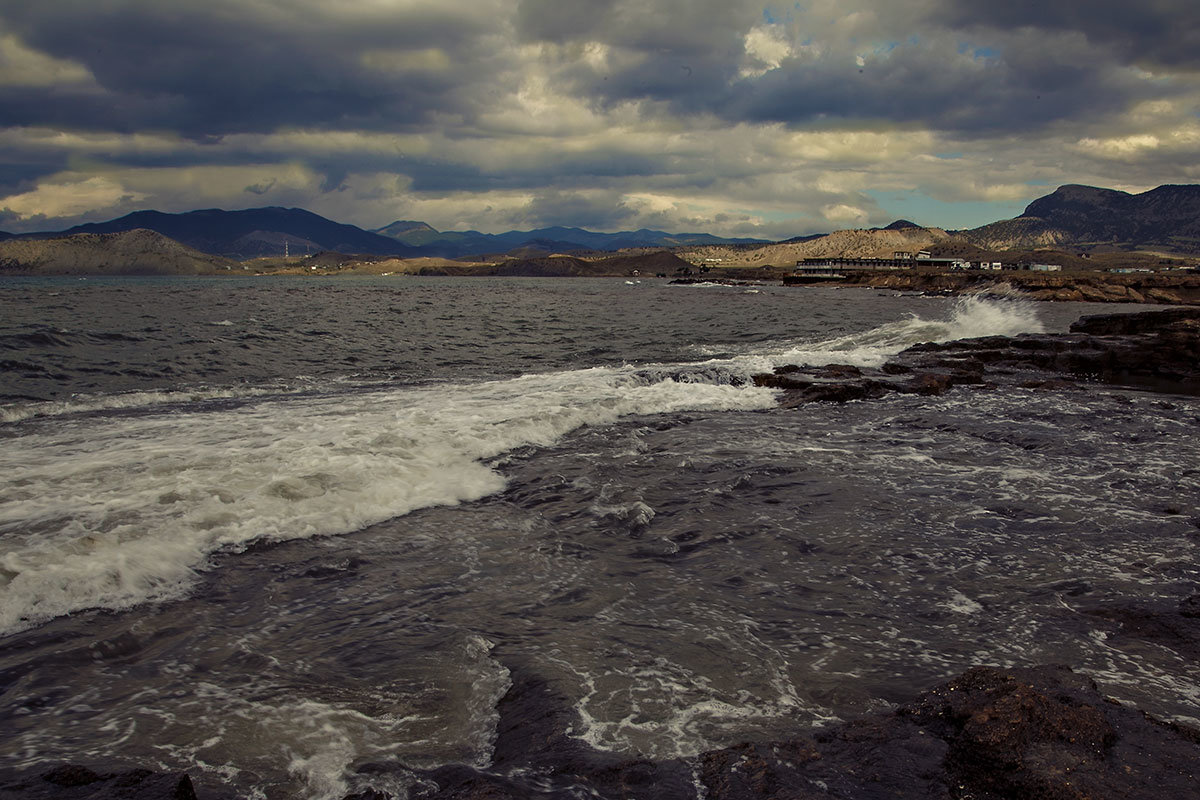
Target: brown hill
x,y
874,243
136,252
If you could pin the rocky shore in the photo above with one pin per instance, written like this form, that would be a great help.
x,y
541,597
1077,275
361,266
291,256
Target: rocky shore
x,y
1152,350
1042,733
1163,288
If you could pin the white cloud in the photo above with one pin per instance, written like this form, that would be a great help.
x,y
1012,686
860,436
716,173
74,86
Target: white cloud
x,y
766,48
842,214
63,197
114,191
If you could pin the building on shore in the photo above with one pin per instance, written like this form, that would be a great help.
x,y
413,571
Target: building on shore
x,y
834,266
837,266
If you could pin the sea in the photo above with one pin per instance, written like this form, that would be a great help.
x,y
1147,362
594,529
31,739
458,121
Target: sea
x,y
298,536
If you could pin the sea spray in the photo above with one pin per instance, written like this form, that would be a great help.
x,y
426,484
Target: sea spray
x,y
969,318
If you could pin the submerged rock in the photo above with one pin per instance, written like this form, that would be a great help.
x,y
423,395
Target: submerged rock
x,y
78,782
1044,733
990,734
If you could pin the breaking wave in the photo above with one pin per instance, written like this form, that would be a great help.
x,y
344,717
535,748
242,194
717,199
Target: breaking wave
x,y
111,510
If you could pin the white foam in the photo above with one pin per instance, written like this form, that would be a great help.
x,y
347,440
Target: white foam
x,y
961,604
84,403
113,511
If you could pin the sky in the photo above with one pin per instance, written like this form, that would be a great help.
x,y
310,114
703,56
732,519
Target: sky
x,y
724,116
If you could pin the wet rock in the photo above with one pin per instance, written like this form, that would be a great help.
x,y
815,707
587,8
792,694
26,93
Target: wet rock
x,y
78,782
781,379
928,383
1153,351
1175,628
459,782
835,391
1044,733
71,775
990,734
1139,322
1190,607
840,371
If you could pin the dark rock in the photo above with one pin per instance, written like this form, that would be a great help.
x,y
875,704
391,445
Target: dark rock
x,y
369,794
779,380
1140,322
844,391
458,782
78,782
71,775
1151,351
840,371
989,734
928,383
1190,607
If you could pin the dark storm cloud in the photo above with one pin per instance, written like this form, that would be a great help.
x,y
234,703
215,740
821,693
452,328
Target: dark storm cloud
x,y
1026,75
1150,32
622,113
914,84
220,67
557,21
930,87
18,169
680,27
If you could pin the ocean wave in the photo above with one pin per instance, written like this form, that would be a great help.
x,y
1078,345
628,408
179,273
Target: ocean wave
x,y
110,511
971,317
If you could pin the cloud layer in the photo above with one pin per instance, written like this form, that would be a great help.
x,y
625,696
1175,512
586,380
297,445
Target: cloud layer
x,y
718,115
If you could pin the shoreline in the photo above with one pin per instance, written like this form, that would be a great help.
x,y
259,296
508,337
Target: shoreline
x,y
1177,288
1155,288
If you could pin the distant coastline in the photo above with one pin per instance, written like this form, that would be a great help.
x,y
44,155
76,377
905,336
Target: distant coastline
x,y
1096,245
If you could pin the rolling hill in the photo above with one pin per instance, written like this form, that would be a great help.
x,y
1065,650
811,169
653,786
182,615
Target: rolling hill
x,y
253,232
136,252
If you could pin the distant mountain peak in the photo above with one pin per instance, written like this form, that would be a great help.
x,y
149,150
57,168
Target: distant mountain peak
x,y
901,225
1166,218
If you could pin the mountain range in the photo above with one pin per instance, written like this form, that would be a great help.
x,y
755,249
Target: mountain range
x,y
453,244
1073,217
1166,218
274,231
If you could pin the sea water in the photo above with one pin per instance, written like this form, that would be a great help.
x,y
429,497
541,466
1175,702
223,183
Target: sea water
x,y
275,531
